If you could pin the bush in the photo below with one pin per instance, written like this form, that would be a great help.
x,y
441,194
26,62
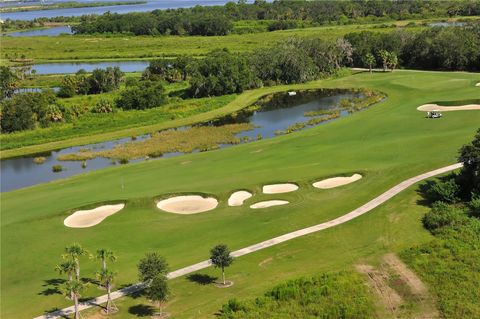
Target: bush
x,y
17,114
146,95
103,106
442,215
57,168
39,160
475,206
444,190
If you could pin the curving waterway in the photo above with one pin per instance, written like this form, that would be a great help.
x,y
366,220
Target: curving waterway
x,y
280,112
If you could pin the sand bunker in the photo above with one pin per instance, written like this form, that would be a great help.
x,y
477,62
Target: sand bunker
x,y
269,203
436,107
237,198
279,188
190,204
478,84
91,217
336,181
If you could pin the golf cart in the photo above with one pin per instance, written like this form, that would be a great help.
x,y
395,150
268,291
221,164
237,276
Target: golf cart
x,y
434,114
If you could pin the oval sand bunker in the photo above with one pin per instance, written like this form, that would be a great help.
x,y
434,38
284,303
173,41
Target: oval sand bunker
x,y
269,203
279,188
190,204
336,181
436,107
91,217
237,198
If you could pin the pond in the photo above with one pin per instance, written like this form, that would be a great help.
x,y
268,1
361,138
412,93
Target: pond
x,y
149,5
73,67
276,113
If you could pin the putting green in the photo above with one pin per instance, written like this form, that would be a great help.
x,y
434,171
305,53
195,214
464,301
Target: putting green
x,y
385,144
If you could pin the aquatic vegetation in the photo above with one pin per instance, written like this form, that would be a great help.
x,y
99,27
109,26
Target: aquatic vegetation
x,y
202,138
39,160
57,168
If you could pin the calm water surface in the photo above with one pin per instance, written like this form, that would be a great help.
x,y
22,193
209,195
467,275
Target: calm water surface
x,y
73,67
278,114
150,5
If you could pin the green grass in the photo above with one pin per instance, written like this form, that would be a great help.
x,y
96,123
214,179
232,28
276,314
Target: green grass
x,y
92,47
387,143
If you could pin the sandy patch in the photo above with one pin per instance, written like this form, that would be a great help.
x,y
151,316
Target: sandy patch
x,y
436,107
336,181
91,217
478,84
269,203
279,188
237,198
190,204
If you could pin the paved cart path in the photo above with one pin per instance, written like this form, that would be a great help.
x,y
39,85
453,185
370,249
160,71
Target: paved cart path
x,y
268,243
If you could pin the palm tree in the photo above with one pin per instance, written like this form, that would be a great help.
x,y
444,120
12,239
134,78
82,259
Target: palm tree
x,y
68,267
74,288
106,278
73,252
104,254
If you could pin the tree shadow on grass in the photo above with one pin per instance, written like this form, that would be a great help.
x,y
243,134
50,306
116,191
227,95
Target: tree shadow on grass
x,y
202,279
141,310
52,287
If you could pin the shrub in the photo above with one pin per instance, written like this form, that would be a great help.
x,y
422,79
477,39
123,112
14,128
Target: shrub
x,y
57,168
475,206
146,95
103,106
442,215
446,191
17,114
39,160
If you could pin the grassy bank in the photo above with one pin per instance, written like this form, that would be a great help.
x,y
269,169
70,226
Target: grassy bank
x,y
371,142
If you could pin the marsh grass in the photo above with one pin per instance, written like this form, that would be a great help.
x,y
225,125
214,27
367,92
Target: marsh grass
x,y
39,160
201,138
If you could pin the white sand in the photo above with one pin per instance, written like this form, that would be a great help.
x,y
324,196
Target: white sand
x,y
336,181
237,198
92,217
185,205
436,107
269,203
478,84
279,188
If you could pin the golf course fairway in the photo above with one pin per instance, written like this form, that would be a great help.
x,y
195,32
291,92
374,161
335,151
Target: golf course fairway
x,y
386,144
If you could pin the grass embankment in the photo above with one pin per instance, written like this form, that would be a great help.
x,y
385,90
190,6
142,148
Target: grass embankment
x,y
386,144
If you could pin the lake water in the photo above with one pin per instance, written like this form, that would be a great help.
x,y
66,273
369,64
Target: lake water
x,y
73,67
49,32
278,114
150,5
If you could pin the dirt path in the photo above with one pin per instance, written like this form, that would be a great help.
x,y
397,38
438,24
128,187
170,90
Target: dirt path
x,y
400,293
268,243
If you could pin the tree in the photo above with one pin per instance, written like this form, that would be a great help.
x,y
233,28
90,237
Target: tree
x,y
152,266
392,60
470,173
74,252
103,255
74,288
158,291
68,267
17,114
385,56
145,95
8,82
106,278
220,257
369,60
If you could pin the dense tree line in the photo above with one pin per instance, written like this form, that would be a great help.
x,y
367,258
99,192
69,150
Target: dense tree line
x,y
440,48
217,20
